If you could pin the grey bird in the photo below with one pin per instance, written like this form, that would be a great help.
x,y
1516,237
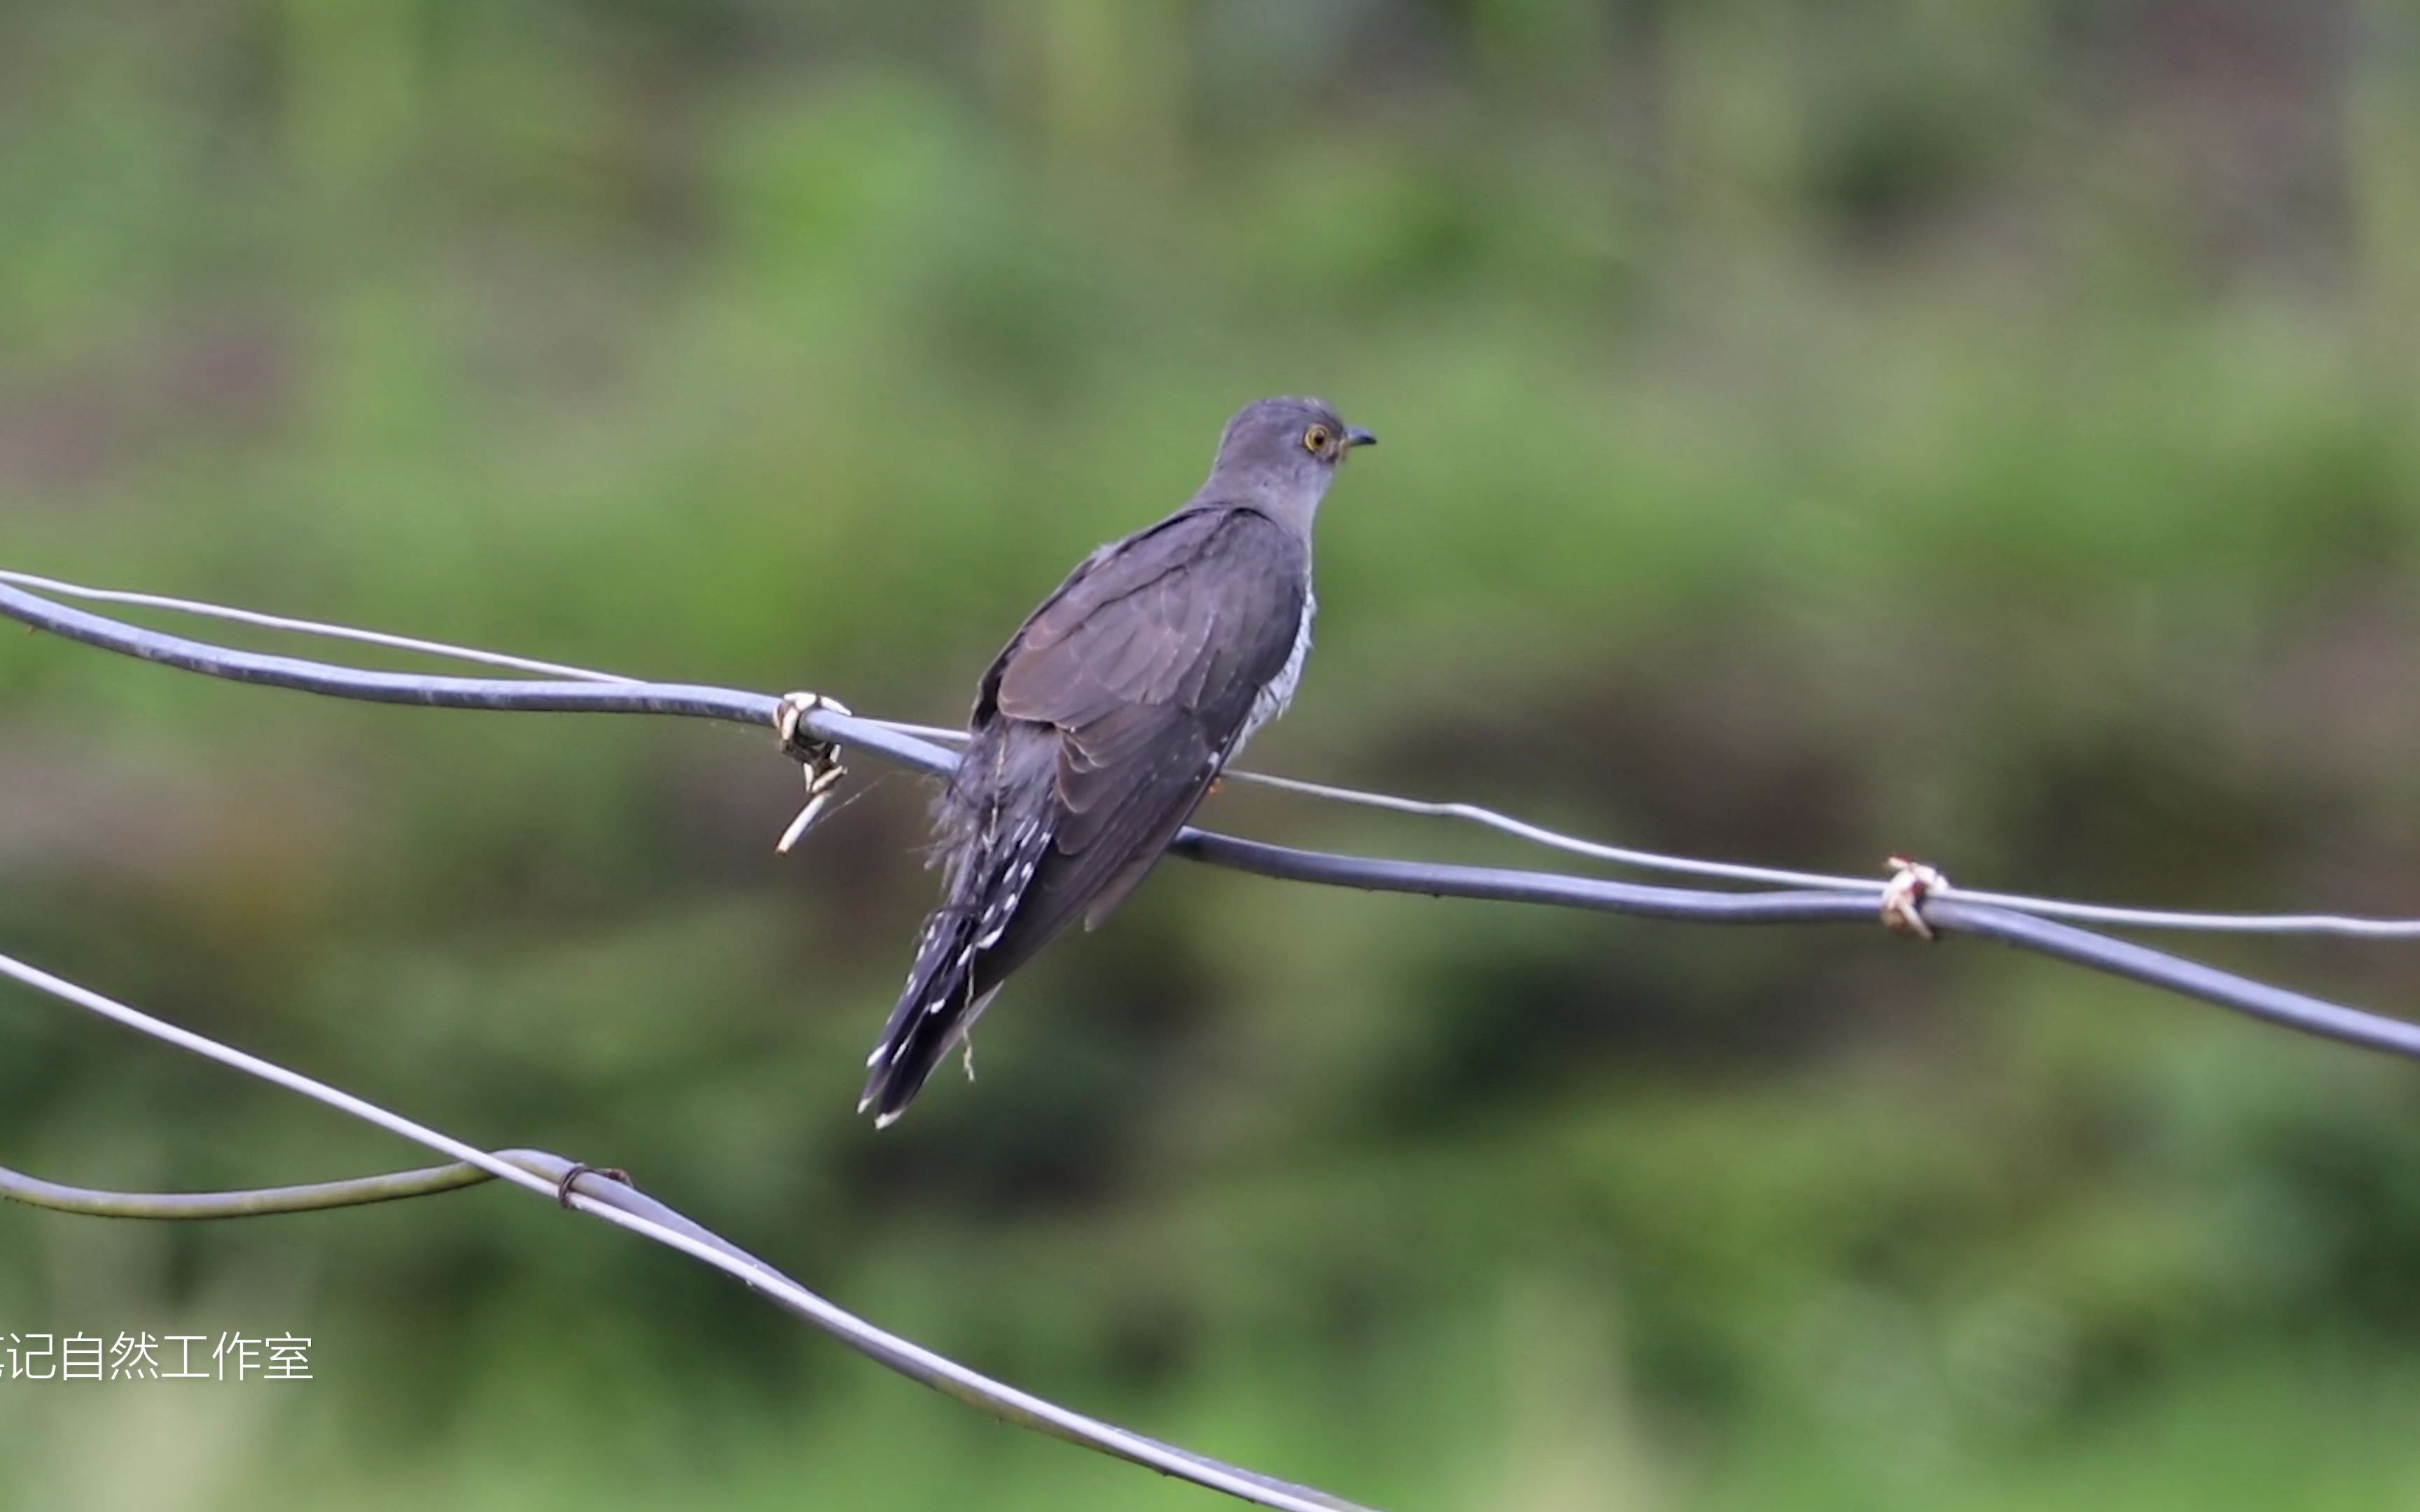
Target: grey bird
x,y
1105,720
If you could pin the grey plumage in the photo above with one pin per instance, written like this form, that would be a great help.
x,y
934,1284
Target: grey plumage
x,y
1105,720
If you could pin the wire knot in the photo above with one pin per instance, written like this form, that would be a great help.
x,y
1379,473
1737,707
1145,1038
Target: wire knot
x,y
1904,895
566,1188
819,759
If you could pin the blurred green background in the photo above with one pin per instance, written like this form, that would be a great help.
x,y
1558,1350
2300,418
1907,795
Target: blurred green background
x,y
1985,430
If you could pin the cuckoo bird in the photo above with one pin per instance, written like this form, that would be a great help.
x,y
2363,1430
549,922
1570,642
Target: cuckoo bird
x,y
1105,720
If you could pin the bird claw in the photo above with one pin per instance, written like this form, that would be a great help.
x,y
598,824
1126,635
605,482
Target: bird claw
x,y
818,759
1903,895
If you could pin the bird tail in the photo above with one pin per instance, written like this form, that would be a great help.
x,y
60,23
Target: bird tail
x,y
950,985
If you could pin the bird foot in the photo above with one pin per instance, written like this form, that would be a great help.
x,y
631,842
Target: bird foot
x,y
818,759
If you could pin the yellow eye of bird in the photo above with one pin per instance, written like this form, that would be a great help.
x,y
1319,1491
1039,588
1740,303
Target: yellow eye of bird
x,y
1316,440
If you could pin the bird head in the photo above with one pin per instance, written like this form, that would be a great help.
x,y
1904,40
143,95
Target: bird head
x,y
1288,447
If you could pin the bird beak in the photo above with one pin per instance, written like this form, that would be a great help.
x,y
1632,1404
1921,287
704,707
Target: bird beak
x,y
1358,437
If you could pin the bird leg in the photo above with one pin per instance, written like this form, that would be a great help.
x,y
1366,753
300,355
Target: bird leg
x,y
818,759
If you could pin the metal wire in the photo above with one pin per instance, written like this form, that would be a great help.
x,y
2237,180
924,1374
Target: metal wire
x,y
2160,918
2110,914
557,1180
318,627
1953,913
1810,899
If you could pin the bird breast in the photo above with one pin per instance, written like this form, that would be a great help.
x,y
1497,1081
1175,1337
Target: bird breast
x,y
1278,692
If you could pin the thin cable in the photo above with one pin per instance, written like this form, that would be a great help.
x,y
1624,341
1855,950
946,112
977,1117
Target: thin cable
x,y
2111,913
1556,840
376,638
1959,914
1866,886
318,627
257,1202
1699,905
1950,914
628,1210
270,1071
1809,906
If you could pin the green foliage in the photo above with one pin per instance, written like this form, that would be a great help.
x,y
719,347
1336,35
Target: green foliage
x,y
1809,432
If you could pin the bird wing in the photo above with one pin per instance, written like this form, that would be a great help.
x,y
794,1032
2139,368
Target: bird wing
x,y
1096,733
1147,662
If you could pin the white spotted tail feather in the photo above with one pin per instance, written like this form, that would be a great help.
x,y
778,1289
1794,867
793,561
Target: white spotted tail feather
x,y
991,865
